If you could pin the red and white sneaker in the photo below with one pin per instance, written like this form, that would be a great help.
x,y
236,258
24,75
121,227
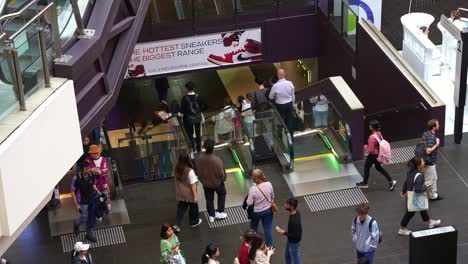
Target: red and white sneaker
x,y
231,38
229,58
253,51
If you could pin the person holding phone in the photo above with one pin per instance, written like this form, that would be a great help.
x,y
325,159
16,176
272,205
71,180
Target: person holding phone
x,y
259,253
415,181
170,246
294,233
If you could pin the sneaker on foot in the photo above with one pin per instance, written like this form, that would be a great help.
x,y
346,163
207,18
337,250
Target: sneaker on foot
x,y
438,198
404,231
362,185
392,185
176,228
433,223
212,219
222,215
198,223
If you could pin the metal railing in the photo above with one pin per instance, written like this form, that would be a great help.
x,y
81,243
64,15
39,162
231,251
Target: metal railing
x,y
25,60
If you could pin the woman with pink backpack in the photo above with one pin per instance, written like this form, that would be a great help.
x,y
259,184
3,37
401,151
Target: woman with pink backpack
x,y
378,153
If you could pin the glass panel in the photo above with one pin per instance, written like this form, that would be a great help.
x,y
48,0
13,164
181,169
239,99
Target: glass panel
x,y
248,6
335,16
8,95
29,52
169,11
150,156
271,134
221,127
303,4
350,20
211,8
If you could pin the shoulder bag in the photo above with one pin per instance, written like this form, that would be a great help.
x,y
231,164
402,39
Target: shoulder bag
x,y
417,202
274,206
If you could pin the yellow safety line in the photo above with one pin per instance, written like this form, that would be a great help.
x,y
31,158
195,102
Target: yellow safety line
x,y
313,157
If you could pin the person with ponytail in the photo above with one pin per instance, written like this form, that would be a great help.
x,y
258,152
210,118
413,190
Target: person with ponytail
x,y
210,255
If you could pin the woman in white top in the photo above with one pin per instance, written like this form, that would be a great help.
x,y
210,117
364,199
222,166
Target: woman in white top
x,y
248,114
320,110
224,125
210,255
259,253
261,196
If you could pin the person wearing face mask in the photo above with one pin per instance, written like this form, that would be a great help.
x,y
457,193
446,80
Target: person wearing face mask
x,y
294,233
100,170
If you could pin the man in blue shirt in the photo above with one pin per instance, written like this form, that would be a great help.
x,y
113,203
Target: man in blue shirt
x,y
432,143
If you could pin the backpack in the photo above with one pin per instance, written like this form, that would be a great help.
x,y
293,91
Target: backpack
x,y
385,151
371,222
194,110
420,150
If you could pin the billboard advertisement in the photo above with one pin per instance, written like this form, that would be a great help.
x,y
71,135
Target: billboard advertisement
x,y
197,52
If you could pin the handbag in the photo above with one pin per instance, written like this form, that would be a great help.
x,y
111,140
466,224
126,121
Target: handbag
x,y
417,202
274,206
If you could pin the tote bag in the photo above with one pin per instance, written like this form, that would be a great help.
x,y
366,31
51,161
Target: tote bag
x,y
417,202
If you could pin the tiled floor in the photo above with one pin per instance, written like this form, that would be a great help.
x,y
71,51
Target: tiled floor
x,y
326,238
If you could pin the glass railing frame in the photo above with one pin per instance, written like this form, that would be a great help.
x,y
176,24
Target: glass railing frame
x,y
285,128
196,15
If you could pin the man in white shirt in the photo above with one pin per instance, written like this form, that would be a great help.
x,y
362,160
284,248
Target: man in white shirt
x,y
282,93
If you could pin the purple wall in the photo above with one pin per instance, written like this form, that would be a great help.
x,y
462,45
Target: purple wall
x,y
385,92
98,65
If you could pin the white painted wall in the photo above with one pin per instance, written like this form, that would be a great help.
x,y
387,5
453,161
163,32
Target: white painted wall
x,y
36,156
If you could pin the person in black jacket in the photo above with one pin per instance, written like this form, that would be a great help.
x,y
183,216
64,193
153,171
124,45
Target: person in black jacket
x,y
294,233
416,182
191,108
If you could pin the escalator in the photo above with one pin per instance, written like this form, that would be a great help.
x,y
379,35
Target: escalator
x,y
227,128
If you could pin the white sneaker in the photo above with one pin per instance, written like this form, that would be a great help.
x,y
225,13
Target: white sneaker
x,y
176,228
220,215
404,231
212,219
433,223
197,224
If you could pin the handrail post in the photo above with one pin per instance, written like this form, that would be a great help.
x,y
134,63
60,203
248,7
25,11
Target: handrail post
x,y
82,32
18,79
45,61
77,15
55,31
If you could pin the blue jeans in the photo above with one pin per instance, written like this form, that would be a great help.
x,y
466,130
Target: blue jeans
x,y
321,118
369,255
292,253
267,221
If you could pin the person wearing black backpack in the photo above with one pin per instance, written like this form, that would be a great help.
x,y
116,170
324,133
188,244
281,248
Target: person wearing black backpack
x,y
191,108
365,233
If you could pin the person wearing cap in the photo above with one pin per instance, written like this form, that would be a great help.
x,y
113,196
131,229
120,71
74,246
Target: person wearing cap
x,y
81,255
100,170
85,186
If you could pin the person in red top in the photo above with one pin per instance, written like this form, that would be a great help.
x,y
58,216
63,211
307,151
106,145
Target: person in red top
x,y
246,239
372,149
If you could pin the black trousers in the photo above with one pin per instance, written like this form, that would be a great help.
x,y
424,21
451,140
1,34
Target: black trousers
x,y
189,127
286,112
408,215
193,212
209,197
372,160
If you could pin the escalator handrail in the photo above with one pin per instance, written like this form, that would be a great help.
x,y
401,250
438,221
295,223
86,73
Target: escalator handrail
x,y
17,13
184,133
220,111
324,138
